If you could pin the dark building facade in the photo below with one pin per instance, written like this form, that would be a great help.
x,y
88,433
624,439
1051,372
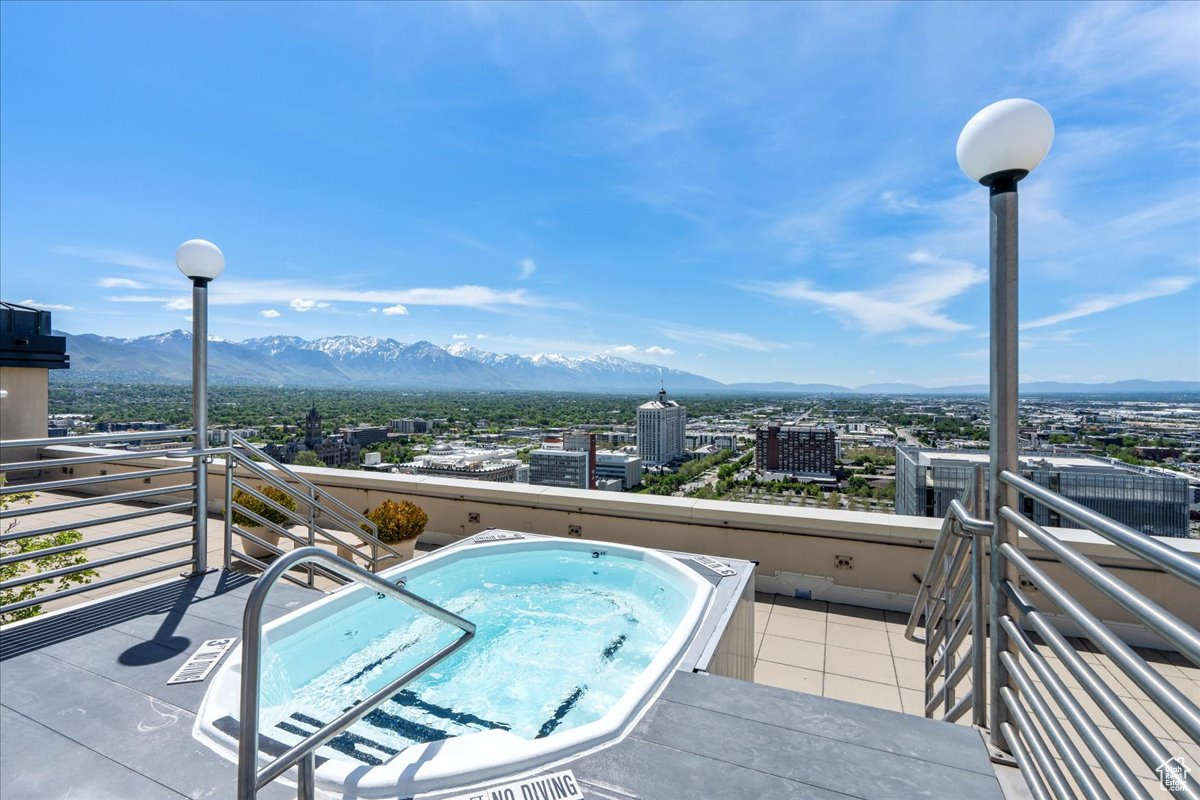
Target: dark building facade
x,y
796,449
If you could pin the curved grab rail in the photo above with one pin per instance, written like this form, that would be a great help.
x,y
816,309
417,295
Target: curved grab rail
x,y
250,777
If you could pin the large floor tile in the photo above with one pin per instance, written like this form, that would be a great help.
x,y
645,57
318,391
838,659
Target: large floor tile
x,y
806,628
784,677
793,652
795,607
868,693
859,664
855,615
854,637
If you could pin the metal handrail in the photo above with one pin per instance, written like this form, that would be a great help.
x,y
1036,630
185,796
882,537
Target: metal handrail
x,y
303,754
950,606
1036,721
316,500
354,517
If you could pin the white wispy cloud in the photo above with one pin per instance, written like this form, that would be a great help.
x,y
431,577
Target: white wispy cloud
x,y
916,301
268,313
302,305
231,293
623,350
481,336
46,306
527,268
655,350
1160,287
460,336
120,283
115,256
178,304
722,339
1107,44
396,310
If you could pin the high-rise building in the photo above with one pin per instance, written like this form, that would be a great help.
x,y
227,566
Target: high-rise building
x,y
585,442
661,430
796,449
1153,501
567,469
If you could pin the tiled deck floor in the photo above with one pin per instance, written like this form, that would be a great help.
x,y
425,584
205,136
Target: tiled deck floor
x,y
860,654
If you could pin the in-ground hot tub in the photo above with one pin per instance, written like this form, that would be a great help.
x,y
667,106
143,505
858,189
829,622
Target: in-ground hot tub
x,y
573,639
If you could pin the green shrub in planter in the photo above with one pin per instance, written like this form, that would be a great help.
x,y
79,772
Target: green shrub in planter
x,y
253,504
398,522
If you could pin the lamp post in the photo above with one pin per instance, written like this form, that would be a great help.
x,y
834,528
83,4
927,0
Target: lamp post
x,y
201,261
998,147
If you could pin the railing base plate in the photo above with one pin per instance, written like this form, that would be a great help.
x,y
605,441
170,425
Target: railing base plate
x,y
995,754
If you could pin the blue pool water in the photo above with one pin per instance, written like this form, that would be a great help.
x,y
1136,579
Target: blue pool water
x,y
561,635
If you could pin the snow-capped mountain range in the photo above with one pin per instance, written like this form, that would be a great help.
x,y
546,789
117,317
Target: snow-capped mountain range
x,y
364,360
370,361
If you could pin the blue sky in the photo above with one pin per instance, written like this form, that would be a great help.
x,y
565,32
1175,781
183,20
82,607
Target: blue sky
x,y
749,192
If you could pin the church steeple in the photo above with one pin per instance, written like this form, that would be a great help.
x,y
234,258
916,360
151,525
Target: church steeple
x,y
312,427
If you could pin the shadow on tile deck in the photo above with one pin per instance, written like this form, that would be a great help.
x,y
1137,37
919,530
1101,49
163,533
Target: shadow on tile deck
x,y
84,707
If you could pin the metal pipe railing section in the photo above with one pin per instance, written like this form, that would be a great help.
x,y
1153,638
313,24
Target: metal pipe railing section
x,y
1174,630
250,777
318,496
354,517
99,438
1037,747
1106,755
1147,547
102,457
1124,721
71,483
1064,745
1029,770
101,584
1161,692
84,545
120,497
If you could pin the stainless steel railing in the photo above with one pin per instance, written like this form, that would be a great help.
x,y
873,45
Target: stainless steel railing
x,y
32,560
1043,722
303,755
951,605
313,503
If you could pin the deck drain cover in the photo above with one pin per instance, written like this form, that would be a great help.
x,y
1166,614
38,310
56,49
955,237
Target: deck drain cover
x,y
196,668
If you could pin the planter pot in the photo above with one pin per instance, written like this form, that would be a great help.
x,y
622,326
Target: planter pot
x,y
405,549
256,550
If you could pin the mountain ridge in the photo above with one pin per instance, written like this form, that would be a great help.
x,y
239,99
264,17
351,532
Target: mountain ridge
x,y
386,362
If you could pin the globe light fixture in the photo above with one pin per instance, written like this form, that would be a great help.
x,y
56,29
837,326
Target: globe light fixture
x,y
998,147
1010,137
201,261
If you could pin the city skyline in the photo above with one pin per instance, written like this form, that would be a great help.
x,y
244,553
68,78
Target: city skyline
x,y
749,192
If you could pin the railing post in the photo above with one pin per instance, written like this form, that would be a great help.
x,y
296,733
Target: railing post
x,y
306,778
200,417
313,499
948,624
979,695
1003,434
228,499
